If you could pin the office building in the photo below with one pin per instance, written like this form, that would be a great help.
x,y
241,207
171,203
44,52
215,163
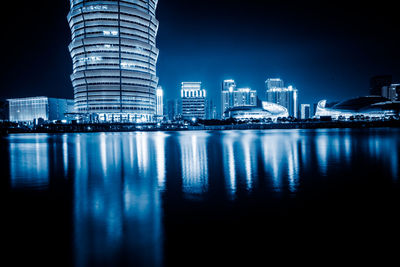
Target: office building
x,y
377,82
4,110
236,97
211,110
274,83
114,56
228,86
31,109
160,102
305,111
284,96
391,92
193,101
172,109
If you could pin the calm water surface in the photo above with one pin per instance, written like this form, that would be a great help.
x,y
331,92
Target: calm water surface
x,y
186,198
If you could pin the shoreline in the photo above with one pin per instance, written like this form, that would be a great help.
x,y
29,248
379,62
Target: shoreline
x,y
95,128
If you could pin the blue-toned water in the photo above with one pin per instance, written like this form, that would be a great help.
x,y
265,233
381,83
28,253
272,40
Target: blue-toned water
x,y
173,198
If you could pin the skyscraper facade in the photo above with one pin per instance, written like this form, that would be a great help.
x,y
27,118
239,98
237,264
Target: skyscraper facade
x,y
172,109
391,92
274,83
236,97
160,102
211,110
284,96
114,56
193,101
305,111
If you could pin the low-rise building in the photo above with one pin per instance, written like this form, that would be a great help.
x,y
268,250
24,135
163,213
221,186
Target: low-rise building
x,y
268,110
31,109
369,106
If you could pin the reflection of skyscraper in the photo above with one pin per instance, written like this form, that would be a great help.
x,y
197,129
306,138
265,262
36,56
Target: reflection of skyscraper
x,y
114,56
29,163
229,164
194,163
236,97
116,214
193,101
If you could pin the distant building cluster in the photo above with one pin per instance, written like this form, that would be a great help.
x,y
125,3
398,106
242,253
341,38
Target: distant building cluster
x,y
280,102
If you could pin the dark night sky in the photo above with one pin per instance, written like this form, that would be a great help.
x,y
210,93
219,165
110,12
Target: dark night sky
x,y
327,49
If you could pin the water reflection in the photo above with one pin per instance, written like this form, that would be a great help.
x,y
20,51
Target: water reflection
x,y
229,163
120,180
281,159
159,140
194,162
249,152
29,161
117,212
276,158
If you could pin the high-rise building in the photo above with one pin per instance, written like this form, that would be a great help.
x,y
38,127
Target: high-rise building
x,y
160,102
211,112
236,97
377,82
284,96
274,83
114,56
4,110
193,101
30,109
173,109
391,92
228,87
305,111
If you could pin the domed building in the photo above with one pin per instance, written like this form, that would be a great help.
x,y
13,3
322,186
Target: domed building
x,y
267,111
368,106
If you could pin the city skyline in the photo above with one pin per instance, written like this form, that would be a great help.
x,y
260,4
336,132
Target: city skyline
x,y
195,133
278,50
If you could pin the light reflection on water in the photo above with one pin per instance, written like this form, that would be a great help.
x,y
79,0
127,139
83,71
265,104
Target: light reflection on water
x,y
119,178
117,210
194,163
281,153
29,162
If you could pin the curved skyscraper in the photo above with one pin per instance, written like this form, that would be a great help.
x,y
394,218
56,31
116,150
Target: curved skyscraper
x,y
114,56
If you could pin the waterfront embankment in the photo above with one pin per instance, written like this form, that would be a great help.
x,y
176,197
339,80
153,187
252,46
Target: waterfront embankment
x,y
123,127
